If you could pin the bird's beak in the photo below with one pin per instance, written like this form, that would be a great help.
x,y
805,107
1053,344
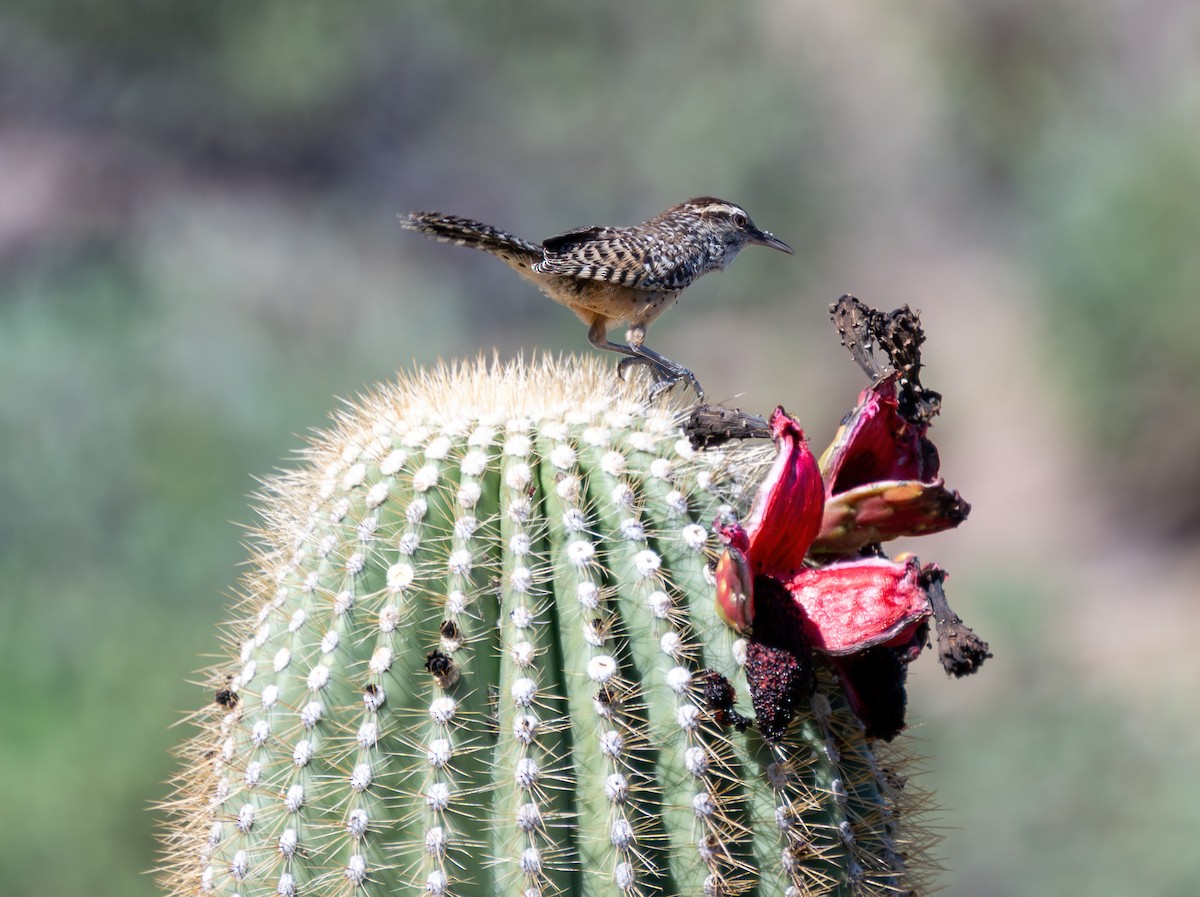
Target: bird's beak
x,y
765,238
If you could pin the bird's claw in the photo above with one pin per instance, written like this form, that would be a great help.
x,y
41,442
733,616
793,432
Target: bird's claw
x,y
666,374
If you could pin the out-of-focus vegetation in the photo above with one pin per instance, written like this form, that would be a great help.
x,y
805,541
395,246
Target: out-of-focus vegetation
x,y
198,252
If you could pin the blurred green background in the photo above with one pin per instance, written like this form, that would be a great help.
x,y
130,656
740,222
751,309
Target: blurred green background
x,y
199,254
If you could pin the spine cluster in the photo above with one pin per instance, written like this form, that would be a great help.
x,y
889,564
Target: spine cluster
x,y
472,661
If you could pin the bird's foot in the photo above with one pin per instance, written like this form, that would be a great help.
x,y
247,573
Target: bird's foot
x,y
666,373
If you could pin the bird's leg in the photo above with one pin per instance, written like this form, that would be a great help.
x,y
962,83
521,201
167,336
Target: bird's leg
x,y
666,372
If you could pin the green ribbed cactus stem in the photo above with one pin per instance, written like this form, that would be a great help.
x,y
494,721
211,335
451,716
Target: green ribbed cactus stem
x,y
469,663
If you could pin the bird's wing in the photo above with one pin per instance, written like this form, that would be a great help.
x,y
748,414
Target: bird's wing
x,y
618,255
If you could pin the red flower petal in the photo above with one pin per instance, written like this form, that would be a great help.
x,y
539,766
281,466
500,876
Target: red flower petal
x,y
854,605
877,443
786,515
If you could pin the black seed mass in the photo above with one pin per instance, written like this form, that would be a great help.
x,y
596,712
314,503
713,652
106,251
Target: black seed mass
x,y
779,665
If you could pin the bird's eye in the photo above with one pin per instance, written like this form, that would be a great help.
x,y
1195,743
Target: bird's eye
x,y
740,220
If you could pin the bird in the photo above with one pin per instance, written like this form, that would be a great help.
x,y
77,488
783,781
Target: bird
x,y
614,275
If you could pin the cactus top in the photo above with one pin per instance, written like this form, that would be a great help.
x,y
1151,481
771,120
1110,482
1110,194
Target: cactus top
x,y
476,656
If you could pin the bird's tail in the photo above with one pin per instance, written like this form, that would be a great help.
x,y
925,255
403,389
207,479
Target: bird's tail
x,y
466,232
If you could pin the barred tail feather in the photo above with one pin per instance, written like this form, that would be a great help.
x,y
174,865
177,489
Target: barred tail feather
x,y
477,235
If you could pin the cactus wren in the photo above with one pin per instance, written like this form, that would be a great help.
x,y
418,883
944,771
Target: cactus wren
x,y
610,275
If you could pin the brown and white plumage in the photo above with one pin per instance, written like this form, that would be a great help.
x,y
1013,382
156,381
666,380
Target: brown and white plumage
x,y
613,275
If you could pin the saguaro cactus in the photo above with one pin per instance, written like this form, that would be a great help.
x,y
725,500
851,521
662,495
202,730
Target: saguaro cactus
x,y
479,655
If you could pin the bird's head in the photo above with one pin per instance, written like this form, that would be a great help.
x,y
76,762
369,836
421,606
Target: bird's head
x,y
730,226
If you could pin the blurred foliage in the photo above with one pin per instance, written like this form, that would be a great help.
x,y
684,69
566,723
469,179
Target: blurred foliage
x,y
198,249
1092,778
1095,162
1115,233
